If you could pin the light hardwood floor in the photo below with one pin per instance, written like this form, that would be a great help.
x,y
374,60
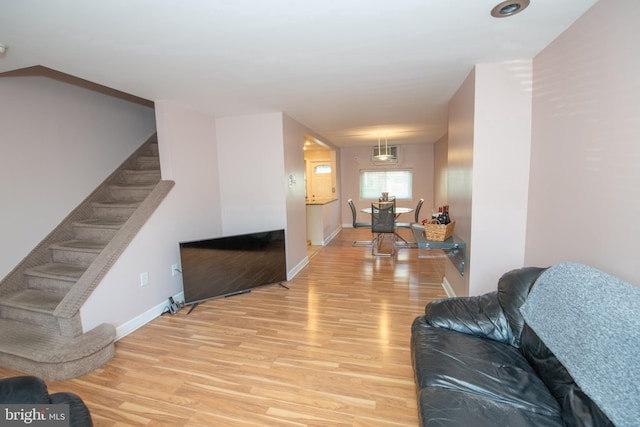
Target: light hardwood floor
x,y
333,350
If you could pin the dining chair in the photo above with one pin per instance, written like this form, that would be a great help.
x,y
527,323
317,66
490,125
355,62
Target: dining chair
x,y
417,212
390,200
383,222
416,216
354,214
357,224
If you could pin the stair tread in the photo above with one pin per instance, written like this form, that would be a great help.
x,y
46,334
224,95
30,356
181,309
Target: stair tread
x,y
142,171
57,270
133,186
41,345
112,203
101,222
34,300
94,246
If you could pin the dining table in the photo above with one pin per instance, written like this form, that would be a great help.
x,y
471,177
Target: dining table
x,y
399,210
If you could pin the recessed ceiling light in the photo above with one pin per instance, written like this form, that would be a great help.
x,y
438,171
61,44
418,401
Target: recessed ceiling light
x,y
509,8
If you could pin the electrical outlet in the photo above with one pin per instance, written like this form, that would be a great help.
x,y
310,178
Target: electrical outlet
x,y
144,278
175,270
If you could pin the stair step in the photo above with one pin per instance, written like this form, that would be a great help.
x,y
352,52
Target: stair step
x,y
54,276
137,176
42,353
128,193
148,162
152,149
32,306
81,252
101,229
33,300
57,270
114,209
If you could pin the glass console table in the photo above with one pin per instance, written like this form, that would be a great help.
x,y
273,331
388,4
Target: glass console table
x,y
453,247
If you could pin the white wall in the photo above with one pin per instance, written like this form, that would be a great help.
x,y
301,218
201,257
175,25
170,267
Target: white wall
x,y
59,142
489,146
417,157
294,137
501,155
251,165
257,153
584,198
191,211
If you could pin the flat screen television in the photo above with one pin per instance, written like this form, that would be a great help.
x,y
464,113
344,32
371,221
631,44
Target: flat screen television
x,y
229,265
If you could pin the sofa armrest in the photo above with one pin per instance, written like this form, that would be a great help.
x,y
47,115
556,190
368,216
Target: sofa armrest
x,y
481,316
23,389
33,390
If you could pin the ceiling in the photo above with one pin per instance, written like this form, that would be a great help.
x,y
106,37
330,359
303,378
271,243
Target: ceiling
x,y
348,69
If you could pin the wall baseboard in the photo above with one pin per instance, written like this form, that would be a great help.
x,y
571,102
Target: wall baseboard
x,y
328,239
295,270
146,317
331,236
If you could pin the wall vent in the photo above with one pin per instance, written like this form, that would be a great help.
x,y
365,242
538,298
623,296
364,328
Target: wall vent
x,y
393,155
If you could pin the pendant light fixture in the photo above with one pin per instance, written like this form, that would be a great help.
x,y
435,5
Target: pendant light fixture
x,y
384,156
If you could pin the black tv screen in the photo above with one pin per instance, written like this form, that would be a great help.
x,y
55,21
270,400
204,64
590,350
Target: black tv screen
x,y
228,265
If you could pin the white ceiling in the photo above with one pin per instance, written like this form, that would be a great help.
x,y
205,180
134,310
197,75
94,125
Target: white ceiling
x,y
348,69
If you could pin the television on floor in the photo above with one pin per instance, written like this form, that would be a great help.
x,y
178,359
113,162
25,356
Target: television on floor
x,y
230,265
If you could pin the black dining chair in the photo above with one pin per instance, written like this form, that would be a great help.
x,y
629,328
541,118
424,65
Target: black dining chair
x,y
357,224
354,214
416,216
383,222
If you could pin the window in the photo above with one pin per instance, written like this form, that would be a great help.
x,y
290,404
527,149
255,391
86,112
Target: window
x,y
322,169
398,183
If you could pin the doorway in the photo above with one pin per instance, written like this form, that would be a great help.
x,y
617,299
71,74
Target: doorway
x,y
320,172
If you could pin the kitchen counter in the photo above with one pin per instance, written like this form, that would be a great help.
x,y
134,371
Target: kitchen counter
x,y
320,201
323,220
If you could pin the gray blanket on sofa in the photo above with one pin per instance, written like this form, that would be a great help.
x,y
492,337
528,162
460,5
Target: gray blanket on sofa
x,y
591,322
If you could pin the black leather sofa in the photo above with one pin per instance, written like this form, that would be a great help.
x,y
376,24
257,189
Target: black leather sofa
x,y
30,390
477,363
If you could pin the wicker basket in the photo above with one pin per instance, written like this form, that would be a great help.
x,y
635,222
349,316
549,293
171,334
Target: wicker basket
x,y
439,232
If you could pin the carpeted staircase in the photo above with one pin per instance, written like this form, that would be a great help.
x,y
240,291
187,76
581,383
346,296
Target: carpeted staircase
x,y
40,327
